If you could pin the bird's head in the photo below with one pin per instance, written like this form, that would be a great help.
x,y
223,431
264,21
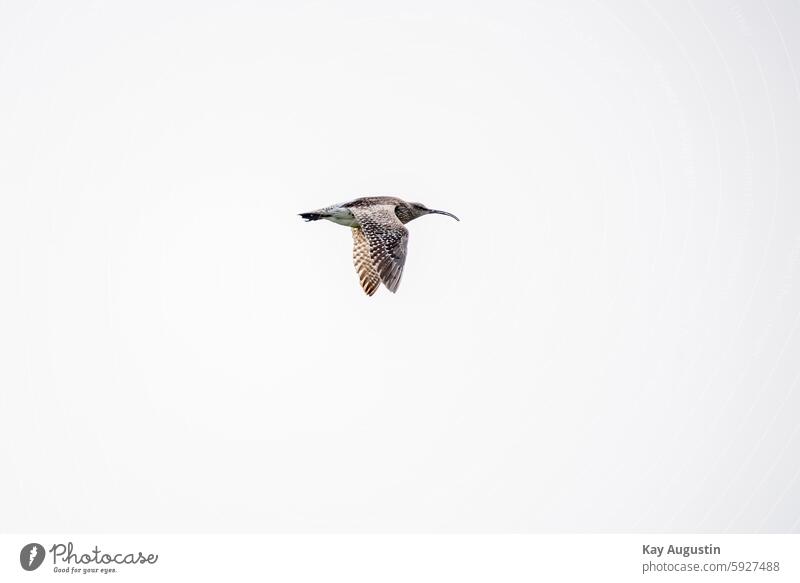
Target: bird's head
x,y
418,209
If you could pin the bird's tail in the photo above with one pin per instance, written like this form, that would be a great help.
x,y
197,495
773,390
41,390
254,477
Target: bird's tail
x,y
312,216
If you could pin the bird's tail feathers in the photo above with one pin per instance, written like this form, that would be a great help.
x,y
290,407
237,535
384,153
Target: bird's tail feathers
x,y
312,216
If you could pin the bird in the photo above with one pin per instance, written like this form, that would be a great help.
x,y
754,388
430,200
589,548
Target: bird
x,y
380,239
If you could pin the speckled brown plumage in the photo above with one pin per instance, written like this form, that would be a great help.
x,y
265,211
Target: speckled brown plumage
x,y
368,277
388,241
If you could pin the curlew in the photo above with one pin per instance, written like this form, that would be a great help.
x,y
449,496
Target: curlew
x,y
380,238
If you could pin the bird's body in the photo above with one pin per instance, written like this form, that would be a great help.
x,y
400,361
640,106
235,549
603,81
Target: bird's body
x,y
380,238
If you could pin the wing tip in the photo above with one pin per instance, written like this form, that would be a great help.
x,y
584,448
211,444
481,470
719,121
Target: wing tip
x,y
369,289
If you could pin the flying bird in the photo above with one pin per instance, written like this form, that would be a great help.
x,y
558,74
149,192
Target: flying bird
x,y
380,239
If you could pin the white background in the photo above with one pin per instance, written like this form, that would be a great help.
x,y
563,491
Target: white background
x,y
606,342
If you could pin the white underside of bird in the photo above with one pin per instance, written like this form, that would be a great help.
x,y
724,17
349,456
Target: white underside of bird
x,y
343,216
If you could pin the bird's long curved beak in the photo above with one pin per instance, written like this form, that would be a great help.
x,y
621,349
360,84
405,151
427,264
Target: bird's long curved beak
x,y
445,213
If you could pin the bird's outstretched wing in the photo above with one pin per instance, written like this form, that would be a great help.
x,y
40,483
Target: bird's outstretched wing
x,y
369,278
388,241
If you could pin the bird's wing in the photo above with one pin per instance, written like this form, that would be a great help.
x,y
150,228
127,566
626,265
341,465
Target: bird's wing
x,y
388,241
369,278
